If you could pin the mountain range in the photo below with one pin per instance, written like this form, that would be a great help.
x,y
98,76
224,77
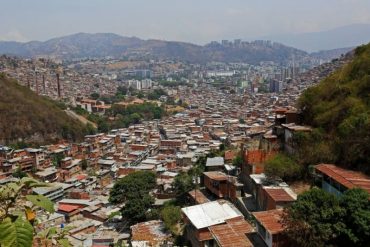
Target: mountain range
x,y
345,36
100,45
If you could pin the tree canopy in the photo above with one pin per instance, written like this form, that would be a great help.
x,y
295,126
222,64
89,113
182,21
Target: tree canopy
x,y
318,218
132,186
171,216
282,166
182,184
133,190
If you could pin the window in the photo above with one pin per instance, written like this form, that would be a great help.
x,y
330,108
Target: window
x,y
216,184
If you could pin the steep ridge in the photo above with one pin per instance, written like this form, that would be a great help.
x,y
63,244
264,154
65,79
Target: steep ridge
x,y
27,117
99,45
339,110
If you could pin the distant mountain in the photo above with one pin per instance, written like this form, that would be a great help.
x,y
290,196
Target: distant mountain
x,y
347,36
328,55
82,45
27,117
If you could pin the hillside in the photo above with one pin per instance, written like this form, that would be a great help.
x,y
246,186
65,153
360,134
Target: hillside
x,y
328,55
27,117
339,110
82,45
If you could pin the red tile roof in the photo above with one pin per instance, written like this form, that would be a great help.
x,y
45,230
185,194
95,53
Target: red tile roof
x,y
279,195
349,179
271,220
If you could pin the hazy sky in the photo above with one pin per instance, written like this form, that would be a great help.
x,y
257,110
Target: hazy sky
x,y
198,21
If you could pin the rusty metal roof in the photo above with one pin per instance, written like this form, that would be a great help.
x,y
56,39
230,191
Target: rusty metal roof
x,y
215,175
271,220
152,231
198,196
232,234
240,225
279,194
349,179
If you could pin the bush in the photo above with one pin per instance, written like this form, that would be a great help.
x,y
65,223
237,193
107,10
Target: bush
x,y
283,166
171,216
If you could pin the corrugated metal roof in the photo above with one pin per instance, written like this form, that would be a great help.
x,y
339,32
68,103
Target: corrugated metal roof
x,y
211,213
152,231
279,194
215,175
349,179
232,234
198,196
240,225
216,161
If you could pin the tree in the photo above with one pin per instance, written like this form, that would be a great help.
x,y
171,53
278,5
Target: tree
x,y
103,125
182,184
84,164
282,166
318,218
57,158
90,129
357,218
121,90
16,219
136,208
133,190
134,118
58,234
238,161
95,96
171,216
314,219
134,185
19,173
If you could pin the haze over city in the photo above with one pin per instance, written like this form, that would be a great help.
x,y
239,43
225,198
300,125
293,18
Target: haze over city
x,y
192,20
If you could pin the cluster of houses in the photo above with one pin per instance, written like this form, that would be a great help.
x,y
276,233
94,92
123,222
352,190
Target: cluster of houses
x,y
246,209
231,205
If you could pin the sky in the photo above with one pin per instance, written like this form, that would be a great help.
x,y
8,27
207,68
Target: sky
x,y
196,21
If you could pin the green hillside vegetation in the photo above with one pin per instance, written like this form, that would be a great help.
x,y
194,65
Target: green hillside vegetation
x,y
339,110
27,117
